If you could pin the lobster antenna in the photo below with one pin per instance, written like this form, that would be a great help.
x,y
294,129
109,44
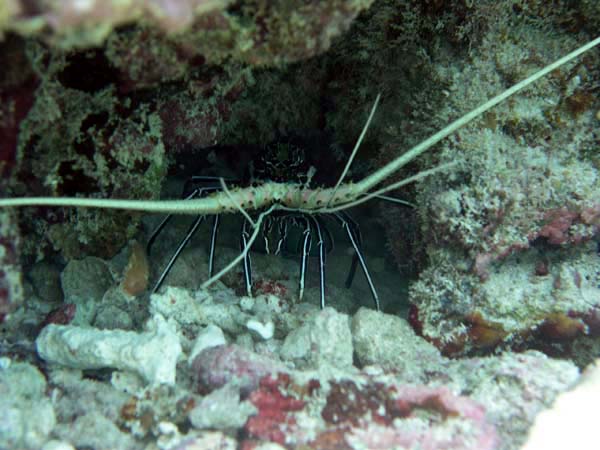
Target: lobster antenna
x,y
237,205
213,205
355,149
158,206
386,171
403,182
243,253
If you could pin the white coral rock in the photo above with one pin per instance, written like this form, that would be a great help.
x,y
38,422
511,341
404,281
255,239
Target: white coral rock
x,y
152,354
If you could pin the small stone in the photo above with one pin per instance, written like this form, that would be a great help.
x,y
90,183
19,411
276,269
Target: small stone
x,y
296,346
324,340
208,440
137,271
84,283
93,430
290,321
26,415
177,303
216,366
268,305
211,336
222,410
45,278
109,317
390,342
191,310
245,341
57,445
263,331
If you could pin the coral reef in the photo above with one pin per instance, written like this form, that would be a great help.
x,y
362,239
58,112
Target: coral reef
x,y
520,230
109,134
76,138
526,193
258,32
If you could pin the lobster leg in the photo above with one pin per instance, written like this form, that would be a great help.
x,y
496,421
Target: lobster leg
x,y
190,233
244,237
282,229
306,244
213,241
198,192
322,260
358,236
356,244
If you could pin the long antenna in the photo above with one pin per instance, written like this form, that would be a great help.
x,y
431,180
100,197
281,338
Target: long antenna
x,y
356,147
382,174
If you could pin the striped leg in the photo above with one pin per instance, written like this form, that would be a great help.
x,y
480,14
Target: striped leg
x,y
190,233
213,241
354,239
266,232
306,244
282,230
198,192
322,259
244,237
356,230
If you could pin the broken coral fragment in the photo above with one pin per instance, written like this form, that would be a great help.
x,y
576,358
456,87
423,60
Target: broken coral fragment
x,y
152,354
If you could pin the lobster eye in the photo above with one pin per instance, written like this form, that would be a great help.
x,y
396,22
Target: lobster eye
x,y
281,162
